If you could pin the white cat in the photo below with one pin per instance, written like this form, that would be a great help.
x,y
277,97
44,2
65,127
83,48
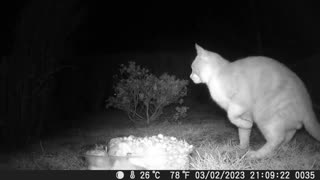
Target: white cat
x,y
257,89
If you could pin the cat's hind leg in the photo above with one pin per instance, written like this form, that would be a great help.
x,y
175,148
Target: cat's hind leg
x,y
275,135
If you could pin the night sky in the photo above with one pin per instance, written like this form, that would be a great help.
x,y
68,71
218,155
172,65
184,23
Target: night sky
x,y
96,36
284,27
226,26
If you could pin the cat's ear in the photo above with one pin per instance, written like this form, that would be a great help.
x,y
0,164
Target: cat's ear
x,y
199,49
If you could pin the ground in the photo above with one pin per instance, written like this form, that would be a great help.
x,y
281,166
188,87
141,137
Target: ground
x,y
215,140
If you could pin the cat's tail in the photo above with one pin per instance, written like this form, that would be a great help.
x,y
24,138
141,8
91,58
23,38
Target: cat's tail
x,y
312,125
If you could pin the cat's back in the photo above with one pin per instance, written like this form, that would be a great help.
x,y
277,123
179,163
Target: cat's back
x,y
252,63
261,67
263,75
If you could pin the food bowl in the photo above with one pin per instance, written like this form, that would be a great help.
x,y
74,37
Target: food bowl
x,y
156,152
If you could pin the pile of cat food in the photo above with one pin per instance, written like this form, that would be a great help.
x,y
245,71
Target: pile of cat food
x,y
155,152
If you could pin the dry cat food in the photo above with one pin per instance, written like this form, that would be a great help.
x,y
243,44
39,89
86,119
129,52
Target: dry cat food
x,y
155,152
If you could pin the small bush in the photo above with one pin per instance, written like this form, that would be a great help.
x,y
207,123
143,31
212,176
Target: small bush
x,y
181,113
142,95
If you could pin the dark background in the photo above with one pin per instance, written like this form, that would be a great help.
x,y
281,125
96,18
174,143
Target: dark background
x,y
58,57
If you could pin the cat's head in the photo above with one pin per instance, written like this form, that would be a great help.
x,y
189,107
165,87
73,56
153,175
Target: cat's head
x,y
205,65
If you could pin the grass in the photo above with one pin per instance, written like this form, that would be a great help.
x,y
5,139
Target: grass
x,y
214,138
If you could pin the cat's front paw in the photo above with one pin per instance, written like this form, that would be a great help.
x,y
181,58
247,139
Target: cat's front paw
x,y
258,154
243,146
253,154
241,151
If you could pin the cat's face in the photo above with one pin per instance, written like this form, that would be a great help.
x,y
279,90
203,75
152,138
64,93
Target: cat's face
x,y
199,67
200,71
206,65
195,77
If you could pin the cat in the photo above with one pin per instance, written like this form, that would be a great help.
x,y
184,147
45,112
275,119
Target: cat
x,y
257,90
101,160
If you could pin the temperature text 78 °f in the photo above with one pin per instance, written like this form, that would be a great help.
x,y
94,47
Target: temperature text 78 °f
x,y
179,174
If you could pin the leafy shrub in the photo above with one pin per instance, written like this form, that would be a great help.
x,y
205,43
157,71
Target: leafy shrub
x,y
181,112
142,95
